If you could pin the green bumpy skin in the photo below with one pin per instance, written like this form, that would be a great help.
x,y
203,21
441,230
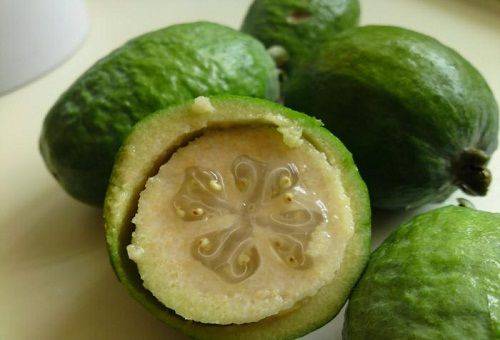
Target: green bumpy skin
x,y
407,107
299,25
156,137
85,128
436,277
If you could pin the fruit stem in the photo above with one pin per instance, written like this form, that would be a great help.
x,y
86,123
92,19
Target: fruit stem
x,y
471,174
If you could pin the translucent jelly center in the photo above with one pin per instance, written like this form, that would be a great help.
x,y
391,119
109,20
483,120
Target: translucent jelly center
x,y
271,197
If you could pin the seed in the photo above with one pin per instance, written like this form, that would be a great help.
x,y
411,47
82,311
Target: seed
x,y
285,182
204,243
243,259
289,197
198,212
215,185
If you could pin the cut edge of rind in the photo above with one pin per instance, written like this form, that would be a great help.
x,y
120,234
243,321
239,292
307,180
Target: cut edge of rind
x,y
122,198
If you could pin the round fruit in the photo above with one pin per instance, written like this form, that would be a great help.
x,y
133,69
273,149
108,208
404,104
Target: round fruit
x,y
87,125
436,277
299,25
215,206
418,118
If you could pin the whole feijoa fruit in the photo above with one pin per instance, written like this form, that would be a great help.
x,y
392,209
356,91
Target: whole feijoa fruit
x,y
83,131
419,119
298,26
436,277
216,206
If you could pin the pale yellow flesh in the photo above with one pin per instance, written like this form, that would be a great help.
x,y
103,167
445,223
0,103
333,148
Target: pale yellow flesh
x,y
162,241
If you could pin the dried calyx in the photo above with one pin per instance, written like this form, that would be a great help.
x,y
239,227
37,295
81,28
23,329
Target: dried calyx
x,y
471,173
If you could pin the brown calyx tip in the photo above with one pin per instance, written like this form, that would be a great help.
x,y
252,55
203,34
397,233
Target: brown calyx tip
x,y
298,15
471,173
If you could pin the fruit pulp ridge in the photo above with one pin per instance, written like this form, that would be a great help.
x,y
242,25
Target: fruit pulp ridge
x,y
228,251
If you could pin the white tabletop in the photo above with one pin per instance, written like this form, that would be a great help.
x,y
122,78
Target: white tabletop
x,y
55,279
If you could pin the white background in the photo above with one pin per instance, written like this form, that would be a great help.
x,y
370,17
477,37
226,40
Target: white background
x,y
55,279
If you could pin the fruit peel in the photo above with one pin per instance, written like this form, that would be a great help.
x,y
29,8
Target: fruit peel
x,y
436,277
85,128
413,112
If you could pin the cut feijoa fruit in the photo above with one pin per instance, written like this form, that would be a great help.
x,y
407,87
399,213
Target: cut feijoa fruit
x,y
237,217
86,126
419,119
436,277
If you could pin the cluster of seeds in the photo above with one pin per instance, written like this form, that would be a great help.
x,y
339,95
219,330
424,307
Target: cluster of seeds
x,y
232,252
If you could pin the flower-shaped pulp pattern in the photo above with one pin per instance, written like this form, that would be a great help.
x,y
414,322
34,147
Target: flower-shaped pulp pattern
x,y
271,197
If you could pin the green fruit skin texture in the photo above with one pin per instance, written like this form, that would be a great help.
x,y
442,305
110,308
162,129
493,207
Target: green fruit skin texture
x,y
84,129
436,277
132,169
405,105
269,21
